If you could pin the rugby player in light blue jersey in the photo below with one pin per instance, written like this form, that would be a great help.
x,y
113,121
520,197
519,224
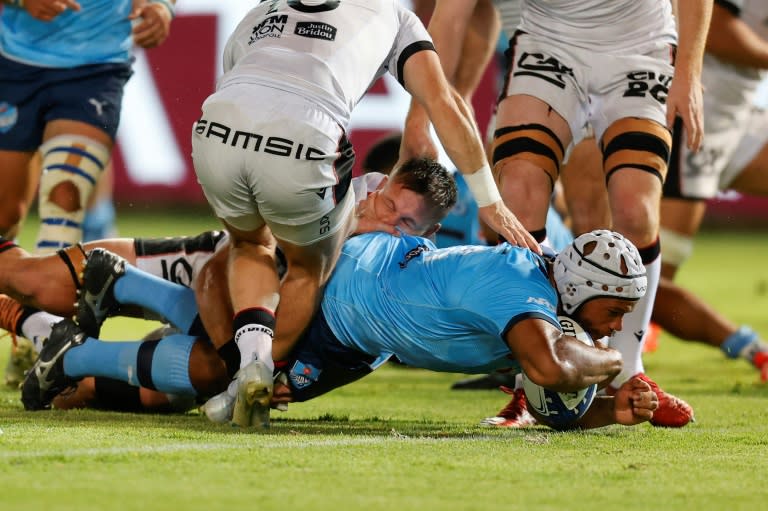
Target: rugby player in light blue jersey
x,y
63,66
465,309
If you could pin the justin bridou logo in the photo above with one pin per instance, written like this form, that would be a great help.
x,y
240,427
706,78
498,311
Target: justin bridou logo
x,y
316,30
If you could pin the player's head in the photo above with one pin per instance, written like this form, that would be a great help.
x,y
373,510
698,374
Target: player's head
x,y
383,154
415,197
599,277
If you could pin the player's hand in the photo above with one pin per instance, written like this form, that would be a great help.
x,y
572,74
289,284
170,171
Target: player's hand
x,y
499,218
366,219
685,99
46,10
154,23
281,395
634,402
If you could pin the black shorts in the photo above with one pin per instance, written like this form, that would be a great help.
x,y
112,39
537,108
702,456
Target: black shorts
x,y
32,96
320,363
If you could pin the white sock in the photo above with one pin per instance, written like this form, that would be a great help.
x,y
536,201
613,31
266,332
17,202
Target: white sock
x,y
255,344
37,327
630,340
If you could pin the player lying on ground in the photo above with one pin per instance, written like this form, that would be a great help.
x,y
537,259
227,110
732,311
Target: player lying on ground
x,y
413,199
476,309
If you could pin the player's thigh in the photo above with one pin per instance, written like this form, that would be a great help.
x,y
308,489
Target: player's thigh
x,y
630,86
311,249
59,127
584,188
544,84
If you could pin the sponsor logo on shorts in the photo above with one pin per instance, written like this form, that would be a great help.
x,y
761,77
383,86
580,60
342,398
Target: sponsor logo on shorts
x,y
325,224
542,66
98,105
303,375
648,83
277,146
270,27
9,114
315,30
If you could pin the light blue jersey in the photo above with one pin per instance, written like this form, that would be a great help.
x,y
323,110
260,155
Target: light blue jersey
x,y
443,310
99,33
461,226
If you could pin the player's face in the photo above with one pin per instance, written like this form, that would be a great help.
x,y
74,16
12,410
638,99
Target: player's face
x,y
602,317
400,207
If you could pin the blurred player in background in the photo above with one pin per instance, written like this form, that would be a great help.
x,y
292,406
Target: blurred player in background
x,y
625,80
63,66
733,156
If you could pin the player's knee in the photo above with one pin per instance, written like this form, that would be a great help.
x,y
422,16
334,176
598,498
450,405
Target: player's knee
x,y
71,166
676,248
638,144
534,144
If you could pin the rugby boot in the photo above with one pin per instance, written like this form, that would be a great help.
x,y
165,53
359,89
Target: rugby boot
x,y
514,415
672,412
96,297
46,379
254,393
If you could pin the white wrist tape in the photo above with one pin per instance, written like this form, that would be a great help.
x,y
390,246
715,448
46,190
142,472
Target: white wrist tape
x,y
483,186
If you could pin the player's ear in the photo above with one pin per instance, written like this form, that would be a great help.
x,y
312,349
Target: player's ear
x,y
432,230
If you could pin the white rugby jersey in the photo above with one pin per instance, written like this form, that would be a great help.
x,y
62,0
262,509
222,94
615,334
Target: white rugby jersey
x,y
612,26
329,52
729,85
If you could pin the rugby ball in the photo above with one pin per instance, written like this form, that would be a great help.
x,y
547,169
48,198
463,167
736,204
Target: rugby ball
x,y
559,409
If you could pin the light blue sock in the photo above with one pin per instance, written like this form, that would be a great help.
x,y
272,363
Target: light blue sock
x,y
159,365
174,302
735,343
116,360
170,365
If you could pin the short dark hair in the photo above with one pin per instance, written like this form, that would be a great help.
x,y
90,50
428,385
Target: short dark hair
x,y
429,178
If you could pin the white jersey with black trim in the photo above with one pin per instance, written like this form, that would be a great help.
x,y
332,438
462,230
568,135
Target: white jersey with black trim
x,y
610,26
181,259
729,85
329,52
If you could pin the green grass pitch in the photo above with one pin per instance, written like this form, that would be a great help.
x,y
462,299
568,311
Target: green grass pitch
x,y
402,440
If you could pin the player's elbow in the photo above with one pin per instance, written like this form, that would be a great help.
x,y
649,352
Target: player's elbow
x,y
550,373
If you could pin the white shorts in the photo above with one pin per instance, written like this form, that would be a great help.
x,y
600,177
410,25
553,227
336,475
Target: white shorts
x,y
732,139
590,87
266,156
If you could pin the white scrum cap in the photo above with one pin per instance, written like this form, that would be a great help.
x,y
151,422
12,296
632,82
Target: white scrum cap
x,y
599,264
